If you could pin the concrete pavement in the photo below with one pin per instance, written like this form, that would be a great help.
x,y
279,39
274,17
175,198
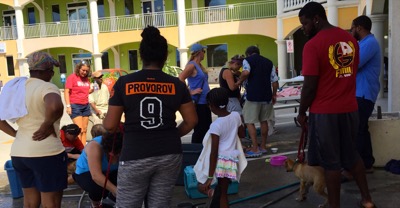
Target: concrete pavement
x,y
259,181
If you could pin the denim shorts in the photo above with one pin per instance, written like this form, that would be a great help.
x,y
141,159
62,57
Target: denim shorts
x,y
80,110
46,174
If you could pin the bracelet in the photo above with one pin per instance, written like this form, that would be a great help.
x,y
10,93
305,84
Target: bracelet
x,y
210,177
68,106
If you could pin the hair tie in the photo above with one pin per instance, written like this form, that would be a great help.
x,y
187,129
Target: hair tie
x,y
222,106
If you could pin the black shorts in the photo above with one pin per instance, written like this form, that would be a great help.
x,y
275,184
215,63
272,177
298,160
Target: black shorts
x,y
46,174
332,140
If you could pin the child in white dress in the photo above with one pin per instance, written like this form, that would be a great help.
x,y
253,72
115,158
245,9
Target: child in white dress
x,y
225,132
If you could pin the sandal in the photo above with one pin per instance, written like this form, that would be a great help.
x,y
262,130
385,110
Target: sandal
x,y
263,151
251,154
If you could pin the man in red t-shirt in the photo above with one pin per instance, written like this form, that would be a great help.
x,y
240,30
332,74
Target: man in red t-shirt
x,y
330,60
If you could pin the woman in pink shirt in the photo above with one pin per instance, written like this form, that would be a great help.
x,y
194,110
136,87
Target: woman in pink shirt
x,y
76,94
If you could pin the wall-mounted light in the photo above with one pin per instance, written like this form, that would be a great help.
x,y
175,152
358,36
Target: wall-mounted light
x,y
386,37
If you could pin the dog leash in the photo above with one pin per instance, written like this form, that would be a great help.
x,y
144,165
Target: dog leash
x,y
301,155
108,169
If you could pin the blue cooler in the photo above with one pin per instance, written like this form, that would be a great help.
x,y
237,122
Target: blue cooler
x,y
191,185
15,184
191,153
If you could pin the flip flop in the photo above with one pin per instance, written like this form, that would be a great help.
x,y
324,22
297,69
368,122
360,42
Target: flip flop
x,y
263,151
251,154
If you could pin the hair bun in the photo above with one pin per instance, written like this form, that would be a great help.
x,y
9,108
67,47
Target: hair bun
x,y
150,32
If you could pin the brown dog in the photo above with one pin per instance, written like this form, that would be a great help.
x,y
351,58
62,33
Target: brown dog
x,y
308,175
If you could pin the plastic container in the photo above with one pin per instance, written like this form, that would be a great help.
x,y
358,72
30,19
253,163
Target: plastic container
x,y
278,160
274,150
15,184
191,153
191,185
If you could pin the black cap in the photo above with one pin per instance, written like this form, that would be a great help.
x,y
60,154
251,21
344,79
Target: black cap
x,y
73,129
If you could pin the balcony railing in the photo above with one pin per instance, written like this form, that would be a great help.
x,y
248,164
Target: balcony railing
x,y
138,21
56,29
204,15
8,33
291,5
231,12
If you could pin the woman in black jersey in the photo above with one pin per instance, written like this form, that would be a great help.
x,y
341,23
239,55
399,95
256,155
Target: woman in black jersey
x,y
151,155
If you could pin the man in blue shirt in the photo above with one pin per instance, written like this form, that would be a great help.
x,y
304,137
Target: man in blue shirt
x,y
367,84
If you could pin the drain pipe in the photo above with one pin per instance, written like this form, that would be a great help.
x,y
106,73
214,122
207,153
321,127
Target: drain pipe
x,y
263,193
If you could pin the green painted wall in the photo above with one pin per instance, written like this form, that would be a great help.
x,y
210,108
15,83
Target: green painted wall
x,y
55,52
3,7
237,44
171,60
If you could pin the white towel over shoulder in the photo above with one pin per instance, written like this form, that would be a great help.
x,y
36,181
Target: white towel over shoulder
x,y
12,100
203,163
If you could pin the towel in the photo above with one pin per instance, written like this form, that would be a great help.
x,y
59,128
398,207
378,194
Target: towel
x,y
203,163
12,100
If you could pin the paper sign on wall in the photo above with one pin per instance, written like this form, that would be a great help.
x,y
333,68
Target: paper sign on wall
x,y
3,47
289,46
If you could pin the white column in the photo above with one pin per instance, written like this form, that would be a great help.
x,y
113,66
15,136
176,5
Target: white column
x,y
377,30
332,12
94,22
98,65
183,52
23,69
113,18
394,61
182,34
282,62
368,7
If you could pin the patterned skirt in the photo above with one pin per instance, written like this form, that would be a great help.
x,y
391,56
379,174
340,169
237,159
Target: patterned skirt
x,y
227,167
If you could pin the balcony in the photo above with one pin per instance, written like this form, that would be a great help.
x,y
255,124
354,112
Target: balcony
x,y
57,29
138,21
291,5
194,16
231,12
8,33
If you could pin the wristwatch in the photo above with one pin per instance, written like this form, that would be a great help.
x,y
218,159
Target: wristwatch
x,y
68,106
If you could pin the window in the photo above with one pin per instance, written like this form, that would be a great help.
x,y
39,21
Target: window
x,y
128,7
10,66
55,13
214,2
217,55
77,58
31,15
100,8
133,60
178,58
175,5
104,61
63,64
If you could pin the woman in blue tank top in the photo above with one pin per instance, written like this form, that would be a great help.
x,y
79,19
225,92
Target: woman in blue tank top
x,y
92,164
197,78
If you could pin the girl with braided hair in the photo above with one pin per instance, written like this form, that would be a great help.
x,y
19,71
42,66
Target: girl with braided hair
x,y
226,158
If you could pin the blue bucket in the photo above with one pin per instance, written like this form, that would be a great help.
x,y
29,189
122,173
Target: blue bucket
x,y
15,184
